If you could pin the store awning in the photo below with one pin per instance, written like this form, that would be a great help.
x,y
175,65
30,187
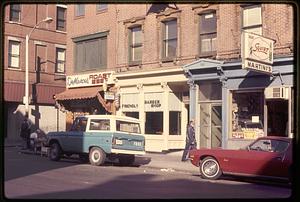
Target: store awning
x,y
74,96
78,93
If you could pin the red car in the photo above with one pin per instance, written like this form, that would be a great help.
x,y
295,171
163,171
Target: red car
x,y
266,157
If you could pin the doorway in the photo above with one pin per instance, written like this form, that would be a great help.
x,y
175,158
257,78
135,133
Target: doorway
x,y
210,125
277,117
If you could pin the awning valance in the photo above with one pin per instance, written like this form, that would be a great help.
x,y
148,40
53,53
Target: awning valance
x,y
78,93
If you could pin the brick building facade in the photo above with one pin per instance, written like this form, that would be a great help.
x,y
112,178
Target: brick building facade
x,y
46,65
159,58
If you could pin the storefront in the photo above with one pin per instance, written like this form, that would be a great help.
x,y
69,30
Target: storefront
x,y
157,99
87,94
232,106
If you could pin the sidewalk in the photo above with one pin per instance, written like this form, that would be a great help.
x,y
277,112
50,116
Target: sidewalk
x,y
165,162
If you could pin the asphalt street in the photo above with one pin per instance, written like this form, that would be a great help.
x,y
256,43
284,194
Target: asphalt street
x,y
35,177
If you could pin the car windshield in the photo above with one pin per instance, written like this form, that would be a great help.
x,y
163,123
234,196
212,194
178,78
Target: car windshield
x,y
130,127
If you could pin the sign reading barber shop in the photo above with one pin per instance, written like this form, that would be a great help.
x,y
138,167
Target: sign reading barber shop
x,y
257,53
92,79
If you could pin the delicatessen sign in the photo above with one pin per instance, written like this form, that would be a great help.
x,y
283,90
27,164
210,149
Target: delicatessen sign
x,y
92,79
257,53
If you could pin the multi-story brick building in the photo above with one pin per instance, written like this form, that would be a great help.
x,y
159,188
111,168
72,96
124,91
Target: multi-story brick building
x,y
168,63
46,66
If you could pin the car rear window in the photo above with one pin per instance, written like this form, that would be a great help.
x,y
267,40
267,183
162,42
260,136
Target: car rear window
x,y
130,127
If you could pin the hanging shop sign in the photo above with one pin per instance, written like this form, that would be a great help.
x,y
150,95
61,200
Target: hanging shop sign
x,y
92,79
257,53
109,95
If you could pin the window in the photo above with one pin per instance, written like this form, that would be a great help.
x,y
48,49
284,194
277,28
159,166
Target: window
x,y
15,12
269,145
14,54
247,115
101,7
252,19
132,114
208,33
60,60
90,54
154,123
135,53
174,123
129,127
79,10
61,19
169,39
96,124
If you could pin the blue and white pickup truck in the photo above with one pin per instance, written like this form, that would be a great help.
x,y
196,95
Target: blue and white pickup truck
x,y
98,137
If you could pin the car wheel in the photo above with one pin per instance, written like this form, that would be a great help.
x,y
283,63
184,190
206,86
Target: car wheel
x,y
210,168
97,156
126,160
55,152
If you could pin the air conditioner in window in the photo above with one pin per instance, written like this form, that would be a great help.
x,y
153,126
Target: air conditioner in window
x,y
276,93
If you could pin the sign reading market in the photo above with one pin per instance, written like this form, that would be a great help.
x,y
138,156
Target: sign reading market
x,y
92,79
257,53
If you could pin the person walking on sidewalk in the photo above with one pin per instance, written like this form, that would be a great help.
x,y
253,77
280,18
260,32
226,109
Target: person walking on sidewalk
x,y
190,140
25,132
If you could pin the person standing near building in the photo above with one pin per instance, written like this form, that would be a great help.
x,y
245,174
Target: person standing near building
x,y
190,140
25,132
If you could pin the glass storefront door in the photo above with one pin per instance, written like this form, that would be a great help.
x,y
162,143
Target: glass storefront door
x,y
210,125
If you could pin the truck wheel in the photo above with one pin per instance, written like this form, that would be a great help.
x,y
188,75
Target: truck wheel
x,y
97,156
55,152
126,159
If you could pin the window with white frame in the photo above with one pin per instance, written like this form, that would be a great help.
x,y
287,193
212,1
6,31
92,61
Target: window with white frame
x,y
101,7
14,54
60,60
79,10
252,19
15,13
208,32
169,38
61,18
135,47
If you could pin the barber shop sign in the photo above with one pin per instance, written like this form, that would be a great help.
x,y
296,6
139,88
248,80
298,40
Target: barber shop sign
x,y
257,53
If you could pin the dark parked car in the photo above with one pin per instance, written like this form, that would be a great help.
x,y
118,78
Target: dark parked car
x,y
267,156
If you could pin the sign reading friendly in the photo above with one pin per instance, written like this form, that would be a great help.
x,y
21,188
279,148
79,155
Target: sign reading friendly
x,y
257,53
92,79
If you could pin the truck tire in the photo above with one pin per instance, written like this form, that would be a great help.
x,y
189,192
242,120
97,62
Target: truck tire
x,y
126,159
97,156
55,152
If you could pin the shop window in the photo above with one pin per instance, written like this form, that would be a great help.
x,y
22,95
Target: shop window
x,y
208,33
169,39
247,115
60,60
175,123
154,123
210,91
14,54
15,13
96,124
61,18
79,10
132,114
90,54
136,45
252,19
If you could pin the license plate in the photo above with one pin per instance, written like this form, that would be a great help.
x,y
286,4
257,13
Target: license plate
x,y
136,143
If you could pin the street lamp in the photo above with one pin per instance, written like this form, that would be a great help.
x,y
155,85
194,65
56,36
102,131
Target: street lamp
x,y
26,97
